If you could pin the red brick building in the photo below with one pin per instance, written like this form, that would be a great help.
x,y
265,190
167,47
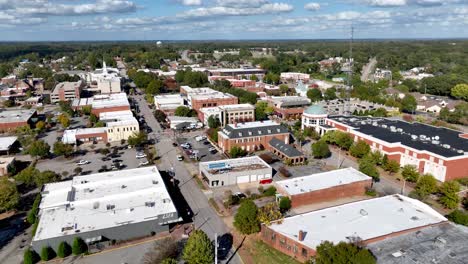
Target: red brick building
x,y
365,221
289,107
438,151
323,187
12,119
251,136
198,98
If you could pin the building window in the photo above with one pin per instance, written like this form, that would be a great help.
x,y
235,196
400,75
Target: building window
x,y
304,252
295,249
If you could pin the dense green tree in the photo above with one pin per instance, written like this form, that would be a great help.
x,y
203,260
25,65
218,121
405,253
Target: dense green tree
x,y
46,177
154,87
391,166
61,148
343,253
137,139
28,176
284,89
460,91
368,167
79,246
39,149
160,116
320,150
198,249
359,149
237,152
269,213
32,214
410,173
314,95
246,220
213,122
9,197
425,186
330,94
408,104
343,140
449,194
182,111
285,204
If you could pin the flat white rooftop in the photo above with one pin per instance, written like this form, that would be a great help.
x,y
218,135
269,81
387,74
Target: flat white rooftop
x,y
236,107
103,200
240,164
111,100
364,219
12,116
253,124
117,115
322,180
7,142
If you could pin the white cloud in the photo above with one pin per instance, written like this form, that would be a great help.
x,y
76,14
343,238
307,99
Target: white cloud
x,y
387,3
191,2
241,3
312,6
218,11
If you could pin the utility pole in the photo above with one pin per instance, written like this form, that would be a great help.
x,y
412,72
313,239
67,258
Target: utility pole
x,y
350,74
216,248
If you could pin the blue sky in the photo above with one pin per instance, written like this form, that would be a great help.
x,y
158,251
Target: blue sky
x,y
63,20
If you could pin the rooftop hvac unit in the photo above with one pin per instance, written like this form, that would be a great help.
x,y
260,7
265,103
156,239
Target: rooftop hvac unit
x,y
447,146
399,130
436,138
414,137
375,124
384,126
460,151
435,142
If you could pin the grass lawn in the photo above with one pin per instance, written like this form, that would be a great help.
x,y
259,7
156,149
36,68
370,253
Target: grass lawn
x,y
264,254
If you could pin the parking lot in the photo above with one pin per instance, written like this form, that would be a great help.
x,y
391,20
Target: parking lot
x,y
201,148
124,156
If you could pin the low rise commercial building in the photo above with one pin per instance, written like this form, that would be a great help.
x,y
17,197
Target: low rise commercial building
x,y
119,125
234,171
365,222
198,98
239,73
251,136
287,152
168,103
325,186
66,91
103,103
104,207
109,85
294,77
12,119
341,107
289,107
182,122
228,114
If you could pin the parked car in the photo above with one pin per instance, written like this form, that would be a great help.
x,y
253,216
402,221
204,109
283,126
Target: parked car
x,y
186,146
180,157
83,162
200,138
140,155
143,163
212,149
240,195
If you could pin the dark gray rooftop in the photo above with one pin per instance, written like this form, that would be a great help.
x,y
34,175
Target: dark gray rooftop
x,y
254,129
443,244
286,149
441,141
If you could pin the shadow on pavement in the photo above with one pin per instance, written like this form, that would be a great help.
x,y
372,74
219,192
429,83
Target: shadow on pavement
x,y
179,201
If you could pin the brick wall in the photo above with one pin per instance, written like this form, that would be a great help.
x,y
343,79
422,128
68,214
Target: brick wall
x,y
109,109
227,144
11,126
329,194
198,104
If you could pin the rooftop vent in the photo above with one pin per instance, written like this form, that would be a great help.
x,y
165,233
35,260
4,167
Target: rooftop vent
x,y
95,205
414,137
414,218
363,212
435,142
447,146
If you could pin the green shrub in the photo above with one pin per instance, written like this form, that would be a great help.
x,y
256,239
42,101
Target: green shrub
x,y
270,191
284,204
47,253
64,250
459,217
30,257
79,246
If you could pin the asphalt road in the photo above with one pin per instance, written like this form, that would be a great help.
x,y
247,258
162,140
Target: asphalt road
x,y
204,217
